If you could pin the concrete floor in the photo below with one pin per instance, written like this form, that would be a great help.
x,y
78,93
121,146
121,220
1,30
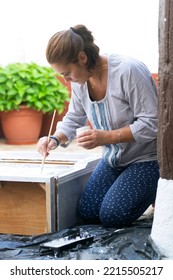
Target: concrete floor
x,y
72,148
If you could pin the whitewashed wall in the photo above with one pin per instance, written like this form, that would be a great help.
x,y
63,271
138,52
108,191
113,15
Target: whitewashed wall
x,y
122,26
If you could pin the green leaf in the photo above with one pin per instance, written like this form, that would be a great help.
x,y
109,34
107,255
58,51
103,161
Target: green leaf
x,y
34,85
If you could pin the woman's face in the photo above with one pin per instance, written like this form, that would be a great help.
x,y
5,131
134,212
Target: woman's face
x,y
74,72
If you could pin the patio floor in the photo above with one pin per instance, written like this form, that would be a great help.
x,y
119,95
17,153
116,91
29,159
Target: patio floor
x,y
72,148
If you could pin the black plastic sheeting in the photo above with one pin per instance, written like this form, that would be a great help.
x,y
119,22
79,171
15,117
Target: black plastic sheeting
x,y
131,243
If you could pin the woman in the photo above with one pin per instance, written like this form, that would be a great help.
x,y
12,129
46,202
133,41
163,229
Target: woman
x,y
118,96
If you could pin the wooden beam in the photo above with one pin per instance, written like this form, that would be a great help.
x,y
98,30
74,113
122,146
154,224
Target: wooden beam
x,y
165,88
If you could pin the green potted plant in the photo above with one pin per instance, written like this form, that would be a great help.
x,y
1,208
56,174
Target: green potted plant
x,y
26,87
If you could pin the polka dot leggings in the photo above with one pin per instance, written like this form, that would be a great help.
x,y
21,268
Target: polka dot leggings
x,y
117,197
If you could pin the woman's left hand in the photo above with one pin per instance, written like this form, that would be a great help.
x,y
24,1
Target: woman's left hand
x,y
92,138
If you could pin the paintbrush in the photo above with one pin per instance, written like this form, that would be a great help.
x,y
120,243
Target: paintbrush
x,y
48,138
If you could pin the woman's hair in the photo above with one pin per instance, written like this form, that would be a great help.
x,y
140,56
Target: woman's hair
x,y
64,46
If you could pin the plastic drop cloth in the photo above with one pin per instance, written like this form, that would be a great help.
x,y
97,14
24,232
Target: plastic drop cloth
x,y
131,243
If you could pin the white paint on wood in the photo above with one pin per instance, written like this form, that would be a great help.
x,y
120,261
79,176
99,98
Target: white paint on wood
x,y
162,229
24,166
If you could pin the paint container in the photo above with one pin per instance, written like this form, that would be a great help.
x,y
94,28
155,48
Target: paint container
x,y
82,129
79,236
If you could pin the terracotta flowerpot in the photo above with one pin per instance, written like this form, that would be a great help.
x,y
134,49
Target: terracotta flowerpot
x,y
1,131
47,117
155,77
21,127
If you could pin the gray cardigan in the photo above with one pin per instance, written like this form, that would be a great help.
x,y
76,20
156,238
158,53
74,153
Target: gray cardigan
x,y
131,99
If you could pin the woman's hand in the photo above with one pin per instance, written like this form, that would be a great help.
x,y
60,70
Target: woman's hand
x,y
44,146
92,138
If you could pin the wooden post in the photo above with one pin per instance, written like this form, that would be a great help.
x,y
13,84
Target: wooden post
x,y
162,229
165,134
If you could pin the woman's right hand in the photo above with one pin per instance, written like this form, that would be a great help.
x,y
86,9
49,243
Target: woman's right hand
x,y
44,145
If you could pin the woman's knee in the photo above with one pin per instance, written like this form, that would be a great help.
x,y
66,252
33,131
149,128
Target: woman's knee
x,y
119,216
87,212
116,222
